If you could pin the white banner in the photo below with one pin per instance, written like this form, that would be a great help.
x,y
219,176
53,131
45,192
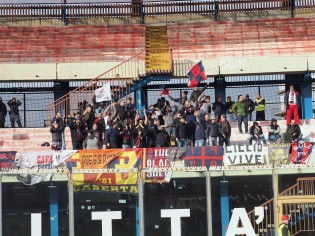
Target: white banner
x,y
103,93
245,155
40,160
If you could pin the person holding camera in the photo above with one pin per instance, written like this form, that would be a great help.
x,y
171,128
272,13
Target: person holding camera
x,y
78,130
56,133
14,112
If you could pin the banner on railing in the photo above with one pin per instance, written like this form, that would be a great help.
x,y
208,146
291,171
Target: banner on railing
x,y
7,160
124,182
302,152
246,155
40,160
204,156
279,154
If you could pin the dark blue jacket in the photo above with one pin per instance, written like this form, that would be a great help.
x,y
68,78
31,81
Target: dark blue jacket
x,y
200,133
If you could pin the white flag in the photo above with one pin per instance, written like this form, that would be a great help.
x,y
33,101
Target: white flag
x,y
103,93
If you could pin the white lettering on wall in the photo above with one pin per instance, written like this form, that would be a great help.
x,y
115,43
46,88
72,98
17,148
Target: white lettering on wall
x,y
106,217
240,214
36,224
175,215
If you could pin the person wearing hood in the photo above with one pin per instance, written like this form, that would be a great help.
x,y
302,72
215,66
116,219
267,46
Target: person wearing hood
x,y
92,142
212,132
274,132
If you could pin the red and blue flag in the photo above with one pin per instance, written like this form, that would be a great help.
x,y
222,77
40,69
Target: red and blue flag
x,y
196,74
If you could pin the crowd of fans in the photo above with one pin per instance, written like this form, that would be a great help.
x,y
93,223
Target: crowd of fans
x,y
193,121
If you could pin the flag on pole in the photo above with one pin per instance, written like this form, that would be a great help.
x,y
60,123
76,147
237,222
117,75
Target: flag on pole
x,y
165,91
103,93
196,74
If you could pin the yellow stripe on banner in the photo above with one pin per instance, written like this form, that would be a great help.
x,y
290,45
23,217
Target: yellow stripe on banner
x,y
78,179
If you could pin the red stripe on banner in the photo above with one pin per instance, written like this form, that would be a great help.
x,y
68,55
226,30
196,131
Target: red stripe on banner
x,y
203,157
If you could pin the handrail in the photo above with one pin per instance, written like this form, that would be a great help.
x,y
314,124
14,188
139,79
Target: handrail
x,y
123,9
121,76
268,206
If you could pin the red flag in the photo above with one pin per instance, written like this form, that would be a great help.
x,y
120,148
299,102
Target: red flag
x,y
196,74
165,92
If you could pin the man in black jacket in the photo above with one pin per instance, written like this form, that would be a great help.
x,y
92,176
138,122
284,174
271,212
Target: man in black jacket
x,y
250,106
56,134
212,132
162,137
196,93
3,113
78,130
181,133
113,137
14,112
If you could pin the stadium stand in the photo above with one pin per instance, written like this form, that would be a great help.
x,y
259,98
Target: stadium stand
x,y
70,44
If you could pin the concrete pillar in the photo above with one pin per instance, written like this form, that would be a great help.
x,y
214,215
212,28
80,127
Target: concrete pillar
x,y
225,206
53,197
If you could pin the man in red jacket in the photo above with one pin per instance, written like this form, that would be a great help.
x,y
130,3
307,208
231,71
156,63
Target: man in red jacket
x,y
292,102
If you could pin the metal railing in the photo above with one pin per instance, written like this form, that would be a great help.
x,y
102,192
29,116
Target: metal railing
x,y
302,214
103,9
121,78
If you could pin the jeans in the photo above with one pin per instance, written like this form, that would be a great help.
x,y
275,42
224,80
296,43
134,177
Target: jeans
x,y
225,141
182,142
15,118
230,117
273,138
260,137
213,141
243,119
126,146
199,143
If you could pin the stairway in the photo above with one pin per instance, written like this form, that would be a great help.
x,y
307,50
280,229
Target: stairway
x,y
298,202
158,58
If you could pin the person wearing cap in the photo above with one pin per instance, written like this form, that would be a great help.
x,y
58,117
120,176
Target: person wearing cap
x,y
224,131
292,101
239,109
283,229
250,106
14,112
212,132
3,113
260,104
274,132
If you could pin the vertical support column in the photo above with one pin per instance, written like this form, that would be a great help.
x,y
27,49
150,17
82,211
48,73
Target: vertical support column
x,y
60,89
225,206
275,199
209,205
216,9
1,204
306,91
24,104
54,219
140,207
140,99
292,7
219,85
71,205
